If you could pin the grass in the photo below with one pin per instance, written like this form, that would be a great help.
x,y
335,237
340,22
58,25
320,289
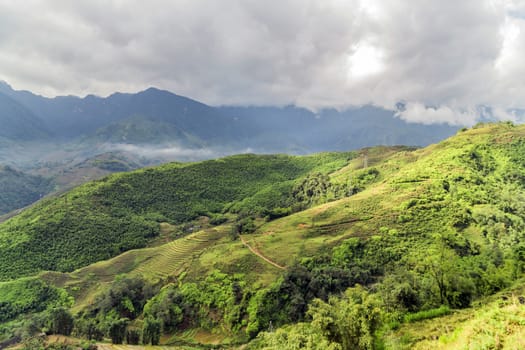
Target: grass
x,y
427,314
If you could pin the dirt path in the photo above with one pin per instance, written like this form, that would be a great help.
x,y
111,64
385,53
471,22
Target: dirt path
x,y
256,252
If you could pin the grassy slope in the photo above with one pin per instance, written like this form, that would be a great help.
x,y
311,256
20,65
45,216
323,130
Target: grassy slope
x,y
497,322
406,177
409,208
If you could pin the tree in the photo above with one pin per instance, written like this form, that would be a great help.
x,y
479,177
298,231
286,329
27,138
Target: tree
x,y
445,269
117,330
166,307
60,321
299,336
151,331
133,336
350,321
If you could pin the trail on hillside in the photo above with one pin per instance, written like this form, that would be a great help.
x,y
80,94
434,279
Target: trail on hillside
x,y
256,252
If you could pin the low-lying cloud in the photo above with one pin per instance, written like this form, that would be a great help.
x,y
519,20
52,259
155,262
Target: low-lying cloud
x,y
418,113
171,152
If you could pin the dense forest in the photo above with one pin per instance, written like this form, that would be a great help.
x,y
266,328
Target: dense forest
x,y
330,251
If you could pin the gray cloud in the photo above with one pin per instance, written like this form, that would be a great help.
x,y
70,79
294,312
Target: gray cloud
x,y
453,55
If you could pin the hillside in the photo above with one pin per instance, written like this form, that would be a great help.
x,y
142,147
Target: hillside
x,y
329,251
122,212
18,189
142,130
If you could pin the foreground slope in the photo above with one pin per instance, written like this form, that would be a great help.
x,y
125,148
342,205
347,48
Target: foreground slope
x,y
444,227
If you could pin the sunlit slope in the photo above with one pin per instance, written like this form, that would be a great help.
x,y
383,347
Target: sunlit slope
x,y
415,196
447,188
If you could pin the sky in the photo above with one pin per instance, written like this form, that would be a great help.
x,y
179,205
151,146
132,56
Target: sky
x,y
444,60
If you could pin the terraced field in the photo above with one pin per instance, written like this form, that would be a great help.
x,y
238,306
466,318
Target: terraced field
x,y
173,258
154,264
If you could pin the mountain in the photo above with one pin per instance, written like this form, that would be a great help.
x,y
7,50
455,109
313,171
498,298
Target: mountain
x,y
139,130
75,173
18,122
176,119
302,131
70,117
349,250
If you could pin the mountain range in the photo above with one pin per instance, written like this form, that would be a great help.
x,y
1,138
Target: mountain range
x,y
180,120
57,137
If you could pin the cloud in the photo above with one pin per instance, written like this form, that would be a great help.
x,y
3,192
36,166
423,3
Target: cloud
x,y
456,55
419,113
171,152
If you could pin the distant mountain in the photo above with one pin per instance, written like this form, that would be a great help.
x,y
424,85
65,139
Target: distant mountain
x,y
155,116
293,128
143,130
18,122
70,117
74,172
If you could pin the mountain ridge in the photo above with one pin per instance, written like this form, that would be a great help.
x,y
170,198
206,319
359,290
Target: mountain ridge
x,y
71,116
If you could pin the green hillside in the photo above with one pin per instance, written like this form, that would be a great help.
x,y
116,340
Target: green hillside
x,y
383,248
121,212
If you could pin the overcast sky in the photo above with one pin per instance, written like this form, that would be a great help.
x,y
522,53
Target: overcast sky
x,y
442,58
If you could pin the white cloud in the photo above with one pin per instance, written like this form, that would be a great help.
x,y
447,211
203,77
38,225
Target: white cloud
x,y
172,152
418,113
456,55
366,60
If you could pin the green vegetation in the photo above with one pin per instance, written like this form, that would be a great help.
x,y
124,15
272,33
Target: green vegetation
x,y
107,217
27,295
343,323
373,249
